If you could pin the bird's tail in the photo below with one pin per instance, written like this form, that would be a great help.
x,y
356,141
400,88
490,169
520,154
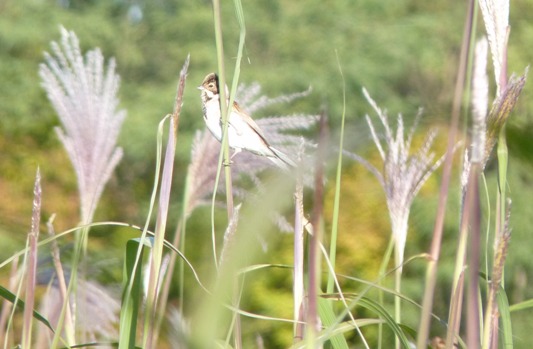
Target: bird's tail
x,y
281,159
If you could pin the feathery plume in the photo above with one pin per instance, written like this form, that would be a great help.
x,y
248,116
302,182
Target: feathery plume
x,y
502,108
480,101
403,173
98,306
250,96
85,99
229,236
179,329
496,17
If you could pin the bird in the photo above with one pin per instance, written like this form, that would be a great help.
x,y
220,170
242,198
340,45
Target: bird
x,y
243,131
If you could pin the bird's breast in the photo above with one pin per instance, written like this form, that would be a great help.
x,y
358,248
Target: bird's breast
x,y
212,118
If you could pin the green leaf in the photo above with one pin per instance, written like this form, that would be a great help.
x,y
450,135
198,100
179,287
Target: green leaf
x,y
522,305
8,296
328,318
131,296
387,318
505,323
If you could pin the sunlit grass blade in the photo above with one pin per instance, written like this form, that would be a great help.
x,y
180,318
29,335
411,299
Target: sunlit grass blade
x,y
525,305
388,319
328,318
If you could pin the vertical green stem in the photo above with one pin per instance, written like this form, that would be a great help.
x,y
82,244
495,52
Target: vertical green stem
x,y
336,203
382,271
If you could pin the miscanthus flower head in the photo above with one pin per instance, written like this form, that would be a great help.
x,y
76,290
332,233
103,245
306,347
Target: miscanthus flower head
x,y
404,170
84,95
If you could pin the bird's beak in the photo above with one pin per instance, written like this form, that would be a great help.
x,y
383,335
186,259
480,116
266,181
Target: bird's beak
x,y
200,88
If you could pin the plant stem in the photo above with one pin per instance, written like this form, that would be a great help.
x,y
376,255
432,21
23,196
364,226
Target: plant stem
x,y
225,158
336,203
431,272
313,321
298,272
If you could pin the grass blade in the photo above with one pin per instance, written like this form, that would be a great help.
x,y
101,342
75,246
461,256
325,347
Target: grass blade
x,y
505,316
10,297
328,318
131,297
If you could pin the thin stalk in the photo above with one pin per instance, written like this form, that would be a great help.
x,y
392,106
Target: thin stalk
x,y
162,215
399,228
225,110
179,242
80,236
473,313
397,302
165,290
7,307
298,271
242,36
336,203
31,267
235,319
431,272
224,155
62,285
20,281
313,321
382,273
456,304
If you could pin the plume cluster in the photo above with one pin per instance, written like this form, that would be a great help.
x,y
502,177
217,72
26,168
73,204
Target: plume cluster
x,y
403,173
84,96
98,312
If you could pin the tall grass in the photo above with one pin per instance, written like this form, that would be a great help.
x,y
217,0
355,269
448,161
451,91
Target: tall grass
x,y
329,309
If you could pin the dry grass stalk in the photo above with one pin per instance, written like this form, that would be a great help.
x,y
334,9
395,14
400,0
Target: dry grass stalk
x,y
31,265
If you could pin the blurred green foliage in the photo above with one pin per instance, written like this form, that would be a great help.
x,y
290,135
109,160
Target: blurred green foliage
x,y
404,52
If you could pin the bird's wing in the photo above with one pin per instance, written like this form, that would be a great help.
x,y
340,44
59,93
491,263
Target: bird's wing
x,y
246,118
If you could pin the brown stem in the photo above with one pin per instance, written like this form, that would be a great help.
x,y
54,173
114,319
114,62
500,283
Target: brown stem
x,y
431,273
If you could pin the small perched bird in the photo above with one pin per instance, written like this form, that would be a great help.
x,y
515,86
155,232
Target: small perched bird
x,y
243,132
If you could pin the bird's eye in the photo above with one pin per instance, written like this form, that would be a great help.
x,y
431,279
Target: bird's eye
x,y
211,85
